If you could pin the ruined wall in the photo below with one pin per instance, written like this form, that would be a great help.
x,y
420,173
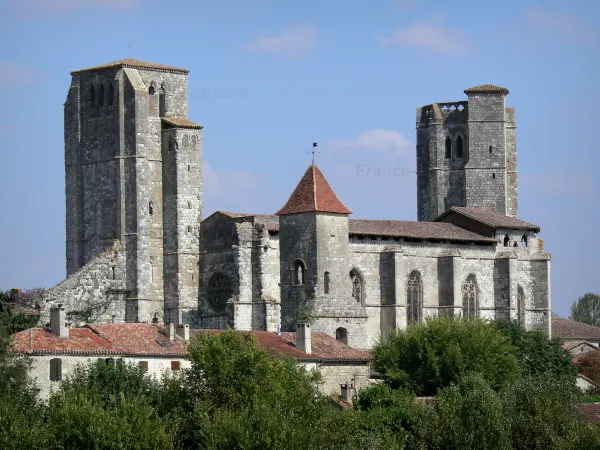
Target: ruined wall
x,y
334,375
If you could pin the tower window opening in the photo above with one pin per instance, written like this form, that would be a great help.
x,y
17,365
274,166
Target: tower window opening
x,y
506,240
92,96
111,94
162,106
524,241
493,176
151,90
326,282
448,151
299,272
101,96
341,334
459,147
151,208
491,147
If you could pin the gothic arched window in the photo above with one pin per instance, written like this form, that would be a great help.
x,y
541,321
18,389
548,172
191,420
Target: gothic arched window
x,y
299,272
357,285
92,96
414,298
459,147
521,304
326,281
111,93
186,142
448,148
162,100
151,90
470,293
341,334
219,291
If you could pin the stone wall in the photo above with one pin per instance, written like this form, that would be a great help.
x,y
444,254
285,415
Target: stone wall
x,y
333,375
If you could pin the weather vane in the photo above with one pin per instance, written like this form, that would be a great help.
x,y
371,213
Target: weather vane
x,y
314,152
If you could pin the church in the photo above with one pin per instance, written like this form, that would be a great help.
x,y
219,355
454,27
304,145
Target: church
x,y
138,248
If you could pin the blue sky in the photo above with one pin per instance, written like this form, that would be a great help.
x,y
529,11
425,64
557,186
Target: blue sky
x,y
268,78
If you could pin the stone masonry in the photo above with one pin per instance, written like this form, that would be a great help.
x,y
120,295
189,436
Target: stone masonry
x,y
138,249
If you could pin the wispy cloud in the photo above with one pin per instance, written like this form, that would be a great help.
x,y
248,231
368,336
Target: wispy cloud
x,y
431,35
570,26
297,41
374,140
16,74
36,7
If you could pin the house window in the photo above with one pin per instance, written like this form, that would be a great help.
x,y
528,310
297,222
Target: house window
x,y
55,369
459,147
326,281
341,334
110,361
414,298
470,293
357,285
299,272
175,365
448,151
143,366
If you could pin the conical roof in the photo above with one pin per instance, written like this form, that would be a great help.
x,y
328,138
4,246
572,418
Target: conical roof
x,y
313,194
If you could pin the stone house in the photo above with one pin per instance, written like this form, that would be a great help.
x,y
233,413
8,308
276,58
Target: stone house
x,y
55,352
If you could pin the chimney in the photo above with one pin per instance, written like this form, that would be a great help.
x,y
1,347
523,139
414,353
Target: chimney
x,y
183,331
57,322
171,331
304,337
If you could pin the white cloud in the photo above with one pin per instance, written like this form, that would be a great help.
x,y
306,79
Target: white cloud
x,y
572,27
16,74
34,7
374,140
297,41
431,35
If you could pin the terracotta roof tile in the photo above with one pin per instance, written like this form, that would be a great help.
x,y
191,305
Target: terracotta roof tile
x,y
132,63
491,218
566,329
144,339
486,89
313,194
181,122
389,228
80,341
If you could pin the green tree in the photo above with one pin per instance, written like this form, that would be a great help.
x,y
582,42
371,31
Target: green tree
x,y
586,309
538,355
10,321
427,357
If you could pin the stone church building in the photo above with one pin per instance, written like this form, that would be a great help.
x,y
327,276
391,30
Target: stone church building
x,y
139,250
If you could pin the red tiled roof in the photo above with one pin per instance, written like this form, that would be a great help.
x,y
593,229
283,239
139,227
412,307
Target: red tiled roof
x,y
591,412
486,89
490,218
133,63
313,194
80,341
144,339
181,122
389,228
570,330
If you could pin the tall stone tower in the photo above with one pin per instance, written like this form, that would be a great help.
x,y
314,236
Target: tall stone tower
x,y
466,154
314,253
133,175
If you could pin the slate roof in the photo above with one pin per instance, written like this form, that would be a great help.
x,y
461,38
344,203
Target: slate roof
x,y
387,228
181,122
570,330
144,339
131,63
486,89
313,194
490,218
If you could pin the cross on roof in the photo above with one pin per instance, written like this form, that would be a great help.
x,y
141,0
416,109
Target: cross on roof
x,y
314,146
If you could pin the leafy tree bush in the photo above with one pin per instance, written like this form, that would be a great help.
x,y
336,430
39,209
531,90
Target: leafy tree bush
x,y
430,356
586,309
538,355
589,365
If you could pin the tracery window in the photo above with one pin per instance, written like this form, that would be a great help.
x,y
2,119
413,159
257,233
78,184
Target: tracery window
x,y
470,293
414,298
219,291
357,285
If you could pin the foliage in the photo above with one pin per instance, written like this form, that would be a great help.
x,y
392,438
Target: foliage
x,y
11,321
430,356
586,309
306,311
538,355
589,365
